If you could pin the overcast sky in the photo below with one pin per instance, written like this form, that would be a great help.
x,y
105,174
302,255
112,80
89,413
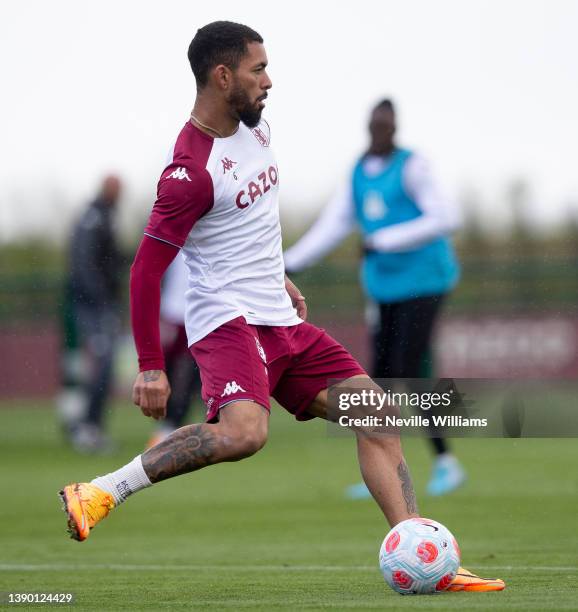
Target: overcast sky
x,y
487,89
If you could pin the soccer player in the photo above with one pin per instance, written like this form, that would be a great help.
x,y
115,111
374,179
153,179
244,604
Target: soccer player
x,y
217,201
95,263
408,267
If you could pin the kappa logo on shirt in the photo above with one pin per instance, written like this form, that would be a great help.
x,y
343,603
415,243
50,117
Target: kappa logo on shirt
x,y
232,387
227,164
180,174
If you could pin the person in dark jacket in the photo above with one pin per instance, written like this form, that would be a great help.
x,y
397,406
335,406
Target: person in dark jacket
x,y
95,267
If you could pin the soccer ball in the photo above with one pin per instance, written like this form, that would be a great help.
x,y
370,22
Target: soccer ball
x,y
419,556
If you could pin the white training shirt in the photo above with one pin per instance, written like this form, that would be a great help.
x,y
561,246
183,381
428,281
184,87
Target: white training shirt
x,y
218,201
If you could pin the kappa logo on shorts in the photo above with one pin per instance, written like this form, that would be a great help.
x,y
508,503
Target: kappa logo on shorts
x,y
261,351
232,387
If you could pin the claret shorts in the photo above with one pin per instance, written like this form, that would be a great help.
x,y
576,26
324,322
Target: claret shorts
x,y
239,361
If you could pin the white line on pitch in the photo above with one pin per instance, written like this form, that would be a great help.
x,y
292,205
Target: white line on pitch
x,y
252,568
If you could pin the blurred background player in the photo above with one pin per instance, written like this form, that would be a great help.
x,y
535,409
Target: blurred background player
x,y
181,368
408,265
93,301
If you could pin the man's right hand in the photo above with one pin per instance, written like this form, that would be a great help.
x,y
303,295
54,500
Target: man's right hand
x,y
150,392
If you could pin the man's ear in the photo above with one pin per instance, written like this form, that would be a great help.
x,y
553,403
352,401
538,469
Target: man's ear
x,y
223,77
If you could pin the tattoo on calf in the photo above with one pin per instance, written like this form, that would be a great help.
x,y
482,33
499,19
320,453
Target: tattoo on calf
x,y
407,487
186,450
151,375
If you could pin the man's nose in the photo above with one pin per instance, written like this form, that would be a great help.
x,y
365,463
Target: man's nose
x,y
267,83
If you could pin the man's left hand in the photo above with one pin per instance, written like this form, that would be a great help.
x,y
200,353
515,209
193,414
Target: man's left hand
x,y
297,299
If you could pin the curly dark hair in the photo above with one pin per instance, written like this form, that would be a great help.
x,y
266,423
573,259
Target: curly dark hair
x,y
220,42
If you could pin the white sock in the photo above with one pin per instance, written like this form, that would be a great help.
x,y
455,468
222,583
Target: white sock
x,y
124,482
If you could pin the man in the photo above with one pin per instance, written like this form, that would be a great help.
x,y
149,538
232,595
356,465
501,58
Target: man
x,y
94,292
408,266
217,201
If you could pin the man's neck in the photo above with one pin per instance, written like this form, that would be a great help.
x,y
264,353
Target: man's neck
x,y
381,152
213,117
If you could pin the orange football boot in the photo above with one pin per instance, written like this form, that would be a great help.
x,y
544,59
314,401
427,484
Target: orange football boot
x,y
85,505
466,581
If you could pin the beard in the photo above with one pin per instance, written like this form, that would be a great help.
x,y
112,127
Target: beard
x,y
247,112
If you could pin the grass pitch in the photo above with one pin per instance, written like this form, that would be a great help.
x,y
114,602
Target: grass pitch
x,y
275,531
